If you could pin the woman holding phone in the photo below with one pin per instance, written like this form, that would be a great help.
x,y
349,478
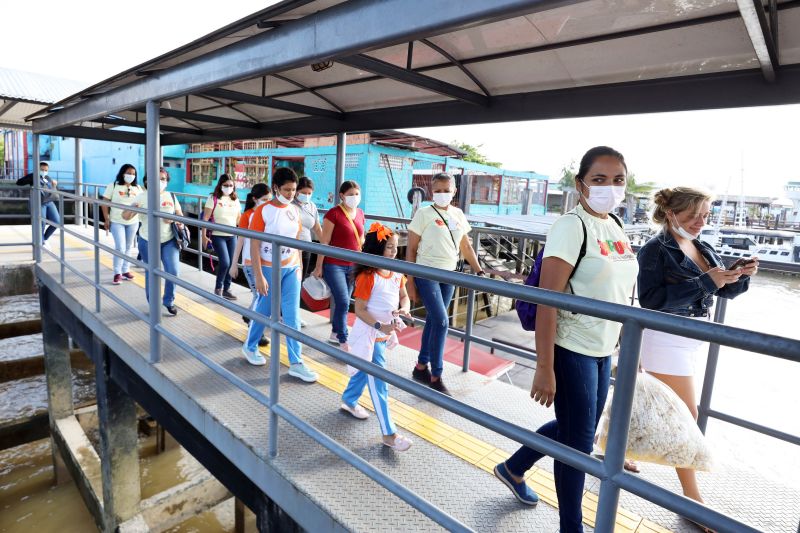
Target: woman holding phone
x,y
680,274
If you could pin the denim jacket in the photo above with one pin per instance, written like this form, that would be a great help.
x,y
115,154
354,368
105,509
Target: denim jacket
x,y
671,282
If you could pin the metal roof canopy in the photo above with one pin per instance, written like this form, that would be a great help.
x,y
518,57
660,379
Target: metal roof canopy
x,y
414,63
25,93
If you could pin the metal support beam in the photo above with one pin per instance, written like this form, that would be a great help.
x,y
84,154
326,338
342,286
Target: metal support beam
x,y
188,115
313,38
624,388
272,103
57,362
711,369
100,134
8,105
152,164
755,21
78,181
135,124
119,452
387,70
36,204
457,63
341,155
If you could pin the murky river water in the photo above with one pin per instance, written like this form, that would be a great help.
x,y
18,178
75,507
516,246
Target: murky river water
x,y
752,386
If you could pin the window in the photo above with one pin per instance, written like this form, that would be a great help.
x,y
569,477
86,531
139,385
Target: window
x,y
784,254
486,190
319,164
247,171
395,162
539,192
774,252
352,160
514,190
204,171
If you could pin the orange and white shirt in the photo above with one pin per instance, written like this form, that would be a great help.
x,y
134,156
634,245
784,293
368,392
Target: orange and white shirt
x,y
244,223
382,293
278,219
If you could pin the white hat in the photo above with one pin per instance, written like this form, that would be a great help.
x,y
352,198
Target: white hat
x,y
317,288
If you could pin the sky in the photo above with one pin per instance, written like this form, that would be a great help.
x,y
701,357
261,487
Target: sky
x,y
91,40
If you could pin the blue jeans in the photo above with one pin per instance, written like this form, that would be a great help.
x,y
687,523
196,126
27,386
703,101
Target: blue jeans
x,y
581,389
49,212
124,235
436,299
338,279
378,390
225,248
290,311
251,282
170,258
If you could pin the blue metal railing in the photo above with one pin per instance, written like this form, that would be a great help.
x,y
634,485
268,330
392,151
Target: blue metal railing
x,y
609,471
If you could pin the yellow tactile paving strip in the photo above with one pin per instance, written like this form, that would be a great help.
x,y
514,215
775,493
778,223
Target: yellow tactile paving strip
x,y
474,451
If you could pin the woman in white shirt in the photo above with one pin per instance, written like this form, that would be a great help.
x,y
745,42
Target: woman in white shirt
x,y
437,236
122,191
309,218
222,207
170,253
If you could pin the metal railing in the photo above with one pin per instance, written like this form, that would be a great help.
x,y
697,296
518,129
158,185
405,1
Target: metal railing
x,y
609,470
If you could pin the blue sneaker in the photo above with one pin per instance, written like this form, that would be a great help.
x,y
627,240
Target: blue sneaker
x,y
253,356
301,371
520,490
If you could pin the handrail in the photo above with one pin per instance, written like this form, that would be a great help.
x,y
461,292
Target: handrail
x,y
609,471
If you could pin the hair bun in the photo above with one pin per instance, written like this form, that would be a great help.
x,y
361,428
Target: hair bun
x,y
662,197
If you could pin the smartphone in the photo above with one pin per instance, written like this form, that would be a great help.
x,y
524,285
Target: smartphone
x,y
741,262
409,322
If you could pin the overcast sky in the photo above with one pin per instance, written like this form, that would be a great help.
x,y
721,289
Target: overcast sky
x,y
91,40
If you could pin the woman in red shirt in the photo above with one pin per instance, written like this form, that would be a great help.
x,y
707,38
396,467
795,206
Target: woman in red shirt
x,y
342,226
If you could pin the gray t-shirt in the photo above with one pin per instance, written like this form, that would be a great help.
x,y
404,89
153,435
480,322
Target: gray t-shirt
x,y
309,216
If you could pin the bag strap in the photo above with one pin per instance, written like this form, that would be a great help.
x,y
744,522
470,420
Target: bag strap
x,y
352,224
583,247
211,215
453,239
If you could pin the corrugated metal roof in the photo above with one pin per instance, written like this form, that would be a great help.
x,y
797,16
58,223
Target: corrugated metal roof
x,y
39,88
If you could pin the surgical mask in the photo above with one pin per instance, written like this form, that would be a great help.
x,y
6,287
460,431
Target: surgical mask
x,y
679,229
162,185
42,173
442,199
304,198
352,201
604,198
129,178
282,199
263,200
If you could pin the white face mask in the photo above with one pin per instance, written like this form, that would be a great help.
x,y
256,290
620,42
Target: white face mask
x,y
162,185
282,199
42,173
679,229
442,199
352,201
129,178
604,198
304,198
262,200
227,190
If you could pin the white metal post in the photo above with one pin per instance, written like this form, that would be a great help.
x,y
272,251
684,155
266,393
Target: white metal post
x,y
152,160
341,153
78,208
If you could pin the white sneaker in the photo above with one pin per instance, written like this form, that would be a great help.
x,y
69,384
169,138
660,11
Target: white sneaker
x,y
254,357
334,338
357,411
301,371
303,323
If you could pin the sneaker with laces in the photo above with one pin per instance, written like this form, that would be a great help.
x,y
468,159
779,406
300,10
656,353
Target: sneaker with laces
x,y
357,411
228,295
117,279
127,276
438,385
253,357
302,372
171,309
520,490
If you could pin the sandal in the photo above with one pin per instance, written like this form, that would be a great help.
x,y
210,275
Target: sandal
x,y
631,466
400,443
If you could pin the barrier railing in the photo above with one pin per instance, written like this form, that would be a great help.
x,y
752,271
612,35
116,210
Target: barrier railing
x,y
609,470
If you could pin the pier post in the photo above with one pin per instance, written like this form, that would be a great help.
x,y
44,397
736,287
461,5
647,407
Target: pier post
x,y
58,374
152,164
119,453
341,153
78,209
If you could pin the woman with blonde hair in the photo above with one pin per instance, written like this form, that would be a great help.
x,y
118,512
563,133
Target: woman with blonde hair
x,y
680,274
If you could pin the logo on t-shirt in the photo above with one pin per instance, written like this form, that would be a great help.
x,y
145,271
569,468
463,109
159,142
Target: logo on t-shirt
x,y
614,248
166,203
439,222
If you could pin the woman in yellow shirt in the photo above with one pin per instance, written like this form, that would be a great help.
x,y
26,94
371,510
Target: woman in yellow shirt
x,y
222,207
122,191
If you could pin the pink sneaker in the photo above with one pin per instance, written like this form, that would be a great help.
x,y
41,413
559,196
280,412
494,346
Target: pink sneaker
x,y
127,276
117,279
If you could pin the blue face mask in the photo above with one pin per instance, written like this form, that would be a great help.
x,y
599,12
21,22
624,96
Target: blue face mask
x,y
304,198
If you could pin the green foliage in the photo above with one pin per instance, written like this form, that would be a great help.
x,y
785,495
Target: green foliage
x,y
473,154
639,189
567,181
2,150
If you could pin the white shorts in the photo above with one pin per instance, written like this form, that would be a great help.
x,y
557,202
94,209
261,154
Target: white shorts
x,y
673,355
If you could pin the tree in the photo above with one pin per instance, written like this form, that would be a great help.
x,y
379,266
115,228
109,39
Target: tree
x,y
567,181
473,154
633,191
